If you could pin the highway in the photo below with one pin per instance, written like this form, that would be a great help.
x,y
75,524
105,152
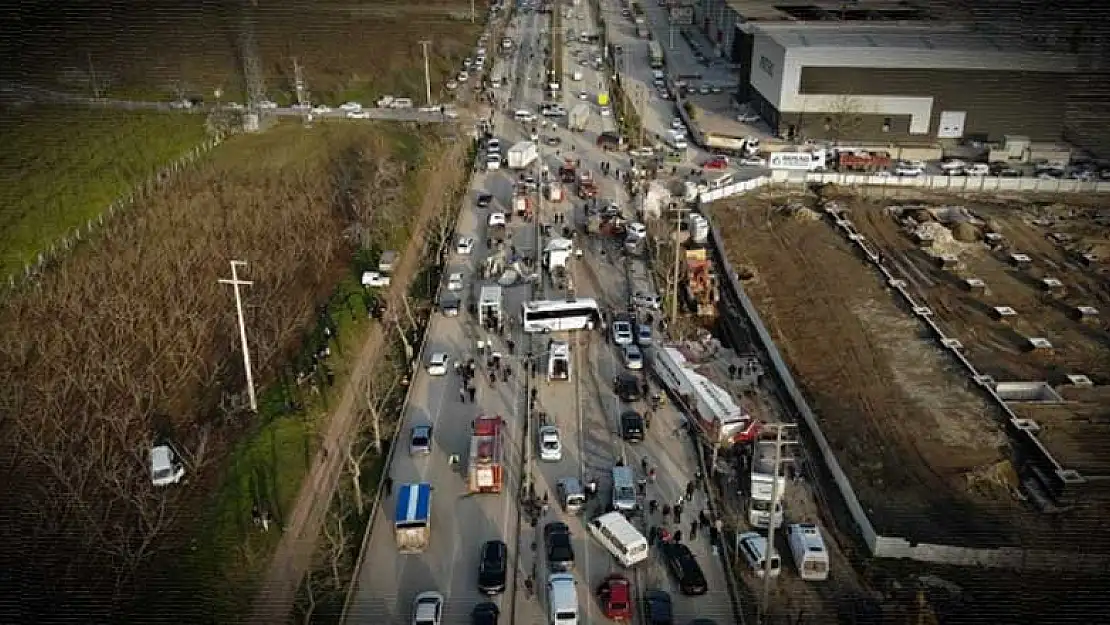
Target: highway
x,y
584,408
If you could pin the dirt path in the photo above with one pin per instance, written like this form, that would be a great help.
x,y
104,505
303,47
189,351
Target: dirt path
x,y
293,556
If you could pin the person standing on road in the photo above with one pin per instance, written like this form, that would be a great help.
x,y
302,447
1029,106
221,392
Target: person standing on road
x,y
694,529
644,464
462,394
689,490
471,391
653,506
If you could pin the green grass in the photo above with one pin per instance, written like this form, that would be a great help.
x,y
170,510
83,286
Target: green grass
x,y
61,167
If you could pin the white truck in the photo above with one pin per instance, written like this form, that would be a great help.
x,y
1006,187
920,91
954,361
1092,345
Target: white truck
x,y
579,116
522,155
698,226
766,496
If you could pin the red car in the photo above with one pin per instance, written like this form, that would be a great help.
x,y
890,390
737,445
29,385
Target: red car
x,y
615,596
717,162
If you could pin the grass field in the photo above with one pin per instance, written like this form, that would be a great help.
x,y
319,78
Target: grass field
x,y
347,50
61,167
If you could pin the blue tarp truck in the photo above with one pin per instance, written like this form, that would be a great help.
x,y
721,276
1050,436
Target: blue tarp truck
x,y
411,520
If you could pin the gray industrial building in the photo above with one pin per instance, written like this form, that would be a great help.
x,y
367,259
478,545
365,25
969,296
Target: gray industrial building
x,y
905,83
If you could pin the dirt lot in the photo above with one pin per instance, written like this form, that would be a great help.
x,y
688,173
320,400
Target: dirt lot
x,y
348,50
1053,236
909,429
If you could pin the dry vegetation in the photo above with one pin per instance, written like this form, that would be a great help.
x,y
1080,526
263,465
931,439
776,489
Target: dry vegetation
x,y
349,50
133,339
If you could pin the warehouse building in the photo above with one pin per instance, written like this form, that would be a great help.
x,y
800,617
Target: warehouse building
x,y
904,83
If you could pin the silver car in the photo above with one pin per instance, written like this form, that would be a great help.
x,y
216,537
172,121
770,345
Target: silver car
x,y
420,443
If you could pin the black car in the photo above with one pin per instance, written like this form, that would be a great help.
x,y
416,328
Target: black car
x,y
492,567
484,200
485,614
657,608
627,387
685,569
560,552
632,426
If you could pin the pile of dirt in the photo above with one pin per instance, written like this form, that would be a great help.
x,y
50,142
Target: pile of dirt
x,y
998,479
803,213
966,232
944,243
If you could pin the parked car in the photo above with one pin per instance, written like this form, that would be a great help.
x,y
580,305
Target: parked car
x,y
627,387
909,168
465,245
647,300
455,282
748,118
493,565
374,279
685,569
632,426
427,608
420,440
452,85
636,230
496,219
753,161
753,546
484,200
615,596
717,162
321,109
358,115
643,335
551,446
622,332
485,613
560,550
658,608
348,107
437,363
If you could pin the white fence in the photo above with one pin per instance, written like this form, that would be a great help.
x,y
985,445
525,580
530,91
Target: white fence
x,y
958,184
881,546
139,192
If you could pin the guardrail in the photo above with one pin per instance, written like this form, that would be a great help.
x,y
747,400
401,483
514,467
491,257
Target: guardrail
x,y
878,545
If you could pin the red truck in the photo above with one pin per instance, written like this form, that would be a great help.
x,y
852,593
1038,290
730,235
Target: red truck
x,y
587,188
485,465
863,161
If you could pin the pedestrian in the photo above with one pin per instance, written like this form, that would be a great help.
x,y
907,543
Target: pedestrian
x,y
704,518
511,344
666,510
689,490
677,536
681,500
535,393
694,529
641,487
492,378
528,586
471,391
732,372
644,464
462,394
388,484
506,373
653,506
644,388
698,477
651,475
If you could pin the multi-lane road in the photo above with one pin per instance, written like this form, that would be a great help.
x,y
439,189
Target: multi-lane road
x,y
584,408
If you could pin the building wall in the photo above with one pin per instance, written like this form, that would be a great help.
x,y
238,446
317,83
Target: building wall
x,y
997,103
767,69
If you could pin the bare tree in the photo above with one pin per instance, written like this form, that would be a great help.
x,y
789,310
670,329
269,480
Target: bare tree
x,y
843,119
310,595
336,537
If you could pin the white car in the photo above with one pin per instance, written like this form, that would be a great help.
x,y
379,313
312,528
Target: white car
x,y
636,230
551,448
374,279
493,161
462,77
633,357
321,109
754,161
465,246
427,608
358,115
677,124
455,282
582,95
909,168
644,152
606,111
622,333
524,116
350,106
452,85
267,105
437,363
748,118
647,300
953,165
496,219
493,145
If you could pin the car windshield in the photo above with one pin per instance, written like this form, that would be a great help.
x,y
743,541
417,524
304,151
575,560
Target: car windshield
x,y
550,443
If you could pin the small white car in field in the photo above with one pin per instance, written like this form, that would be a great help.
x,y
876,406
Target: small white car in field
x,y
465,246
321,109
496,219
455,282
348,107
551,447
452,85
374,279
437,364
358,115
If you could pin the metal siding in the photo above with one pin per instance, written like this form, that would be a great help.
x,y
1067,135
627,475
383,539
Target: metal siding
x,y
404,494
423,501
997,103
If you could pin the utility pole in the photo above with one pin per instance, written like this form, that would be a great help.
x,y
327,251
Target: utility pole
x,y
298,83
424,43
678,213
92,78
235,282
643,111
472,12
670,30
780,429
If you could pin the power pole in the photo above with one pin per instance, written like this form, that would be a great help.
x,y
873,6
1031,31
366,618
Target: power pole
x,y
235,282
472,12
670,29
424,43
678,213
92,78
780,429
298,83
248,52
643,111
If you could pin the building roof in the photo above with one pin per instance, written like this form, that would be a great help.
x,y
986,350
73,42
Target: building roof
x,y
919,45
826,10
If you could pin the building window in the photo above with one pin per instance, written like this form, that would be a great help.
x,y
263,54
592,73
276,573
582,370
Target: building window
x,y
887,123
767,66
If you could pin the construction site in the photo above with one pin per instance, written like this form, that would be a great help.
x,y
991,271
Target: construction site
x,y
931,451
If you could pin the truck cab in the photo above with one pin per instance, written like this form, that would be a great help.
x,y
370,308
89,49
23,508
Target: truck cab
x,y
558,360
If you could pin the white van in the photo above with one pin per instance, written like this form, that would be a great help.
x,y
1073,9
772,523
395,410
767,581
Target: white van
x,y
624,489
723,180
402,103
808,548
620,537
562,599
753,546
524,116
558,360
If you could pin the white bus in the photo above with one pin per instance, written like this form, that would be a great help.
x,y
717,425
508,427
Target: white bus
x,y
560,315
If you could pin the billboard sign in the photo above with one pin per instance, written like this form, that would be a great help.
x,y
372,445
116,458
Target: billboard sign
x,y
796,161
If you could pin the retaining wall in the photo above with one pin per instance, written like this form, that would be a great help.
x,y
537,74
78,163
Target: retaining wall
x,y
898,547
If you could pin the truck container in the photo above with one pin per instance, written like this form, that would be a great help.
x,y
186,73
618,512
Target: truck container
x,y
579,116
484,465
522,155
522,206
765,496
412,517
698,226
